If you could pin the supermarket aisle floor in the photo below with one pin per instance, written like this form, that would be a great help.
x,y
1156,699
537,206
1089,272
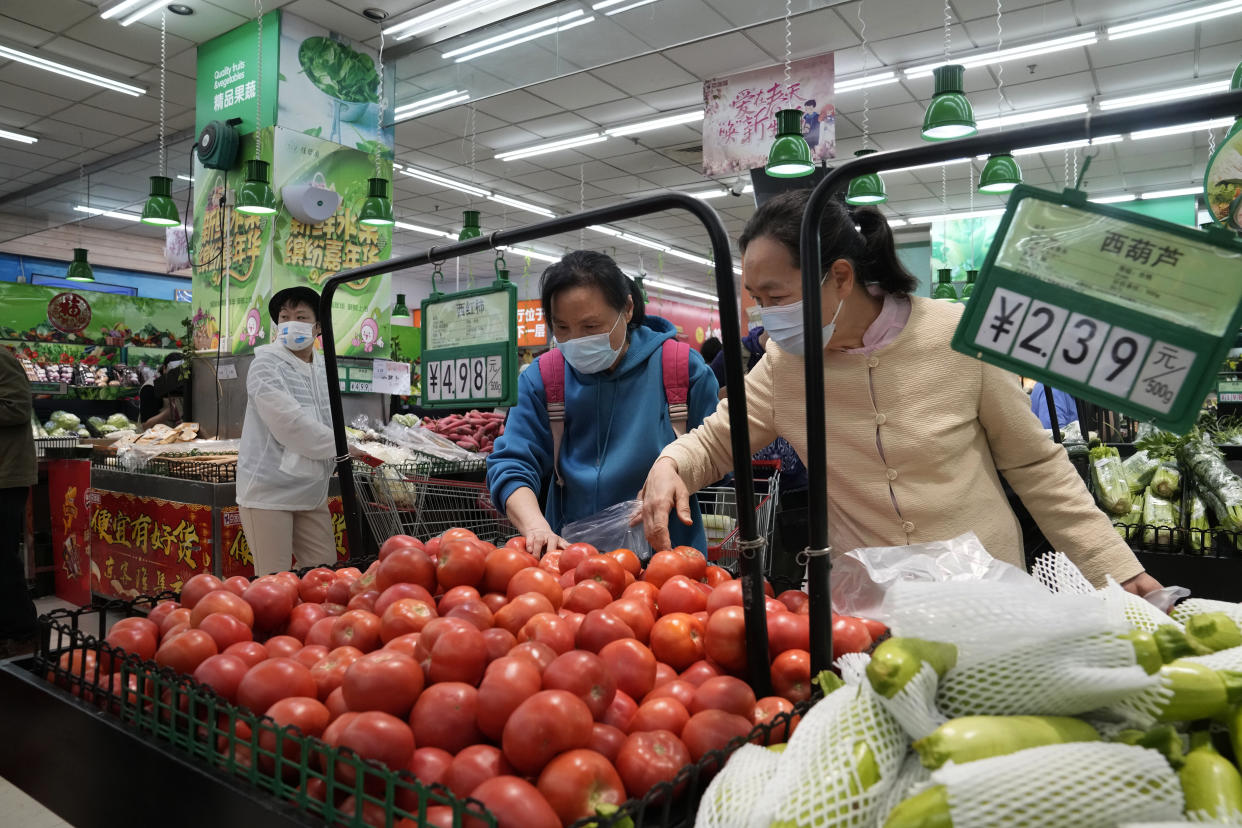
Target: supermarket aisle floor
x,y
18,809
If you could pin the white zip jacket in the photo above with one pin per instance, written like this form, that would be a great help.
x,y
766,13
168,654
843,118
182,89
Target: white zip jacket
x,y
287,444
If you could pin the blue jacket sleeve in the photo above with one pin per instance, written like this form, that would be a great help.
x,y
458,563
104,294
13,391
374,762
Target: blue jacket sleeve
x,y
703,391
522,456
1067,408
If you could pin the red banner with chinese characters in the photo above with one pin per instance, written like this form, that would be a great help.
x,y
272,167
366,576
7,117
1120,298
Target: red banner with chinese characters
x,y
68,481
694,323
235,551
532,329
144,545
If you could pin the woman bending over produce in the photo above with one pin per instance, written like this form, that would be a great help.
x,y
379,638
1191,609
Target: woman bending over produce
x,y
619,406
917,434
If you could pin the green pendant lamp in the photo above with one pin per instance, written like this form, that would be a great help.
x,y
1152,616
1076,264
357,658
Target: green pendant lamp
x,y
79,268
469,225
400,310
377,209
866,189
256,197
949,114
789,156
160,210
1000,174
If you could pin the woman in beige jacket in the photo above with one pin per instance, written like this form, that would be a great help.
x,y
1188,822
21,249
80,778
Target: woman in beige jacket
x,y
918,434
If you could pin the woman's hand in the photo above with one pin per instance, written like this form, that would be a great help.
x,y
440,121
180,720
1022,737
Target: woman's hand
x,y
1141,584
523,511
540,538
663,492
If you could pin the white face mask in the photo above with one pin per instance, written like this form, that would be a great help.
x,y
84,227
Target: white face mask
x,y
591,354
294,335
783,323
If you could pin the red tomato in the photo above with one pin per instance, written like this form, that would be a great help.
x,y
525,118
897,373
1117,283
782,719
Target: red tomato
x,y
795,600
396,542
398,591
132,638
536,652
455,651
222,673
788,631
272,680
321,631
586,596
186,651
363,601
310,655
302,617
575,554
430,765
700,672
677,639
515,803
726,638
499,642
717,575
403,616
445,716
475,612
137,622
502,564
432,548
458,533
226,630
549,628
237,584
679,689
386,681
271,599
251,652
567,580
196,587
514,615
456,595
632,664
282,646
507,683
340,591
586,676
710,730
336,705
724,693
767,710
474,766
628,560
662,713
681,560
462,562
160,611
548,723
357,628
664,674
791,675
646,591
849,635
577,783
637,613
405,644
551,561
536,580
308,715
516,542
329,671
727,594
315,583
575,620
495,600
334,609
378,736
222,600
874,628
603,570
621,712
606,740
680,594
648,758
599,628
407,565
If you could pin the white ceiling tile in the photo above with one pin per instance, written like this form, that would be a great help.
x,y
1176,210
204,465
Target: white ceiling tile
x,y
53,15
645,74
505,138
565,124
577,91
23,33
618,112
678,21
597,44
333,17
137,45
719,56
517,106
1127,50
690,94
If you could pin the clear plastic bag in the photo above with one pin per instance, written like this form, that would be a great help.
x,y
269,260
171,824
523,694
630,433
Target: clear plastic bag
x,y
612,528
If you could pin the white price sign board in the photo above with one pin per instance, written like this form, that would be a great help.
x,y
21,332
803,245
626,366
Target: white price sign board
x,y
389,377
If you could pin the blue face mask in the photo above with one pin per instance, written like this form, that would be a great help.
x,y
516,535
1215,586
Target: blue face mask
x,y
591,354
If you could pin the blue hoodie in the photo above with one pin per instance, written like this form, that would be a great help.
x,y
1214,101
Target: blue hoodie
x,y
616,425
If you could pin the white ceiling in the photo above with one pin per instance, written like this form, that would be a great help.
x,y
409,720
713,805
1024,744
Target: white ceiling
x,y
616,70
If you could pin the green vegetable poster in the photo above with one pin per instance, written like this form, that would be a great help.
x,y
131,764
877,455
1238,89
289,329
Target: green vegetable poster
x,y
961,244
229,85
53,315
307,254
1222,182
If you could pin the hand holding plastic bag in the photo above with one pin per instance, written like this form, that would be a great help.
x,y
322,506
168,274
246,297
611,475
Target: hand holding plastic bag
x,y
612,528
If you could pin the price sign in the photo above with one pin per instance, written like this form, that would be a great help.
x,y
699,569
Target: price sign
x,y
389,377
1126,311
532,328
469,342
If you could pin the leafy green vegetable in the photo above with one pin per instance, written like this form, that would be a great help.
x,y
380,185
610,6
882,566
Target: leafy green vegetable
x,y
338,70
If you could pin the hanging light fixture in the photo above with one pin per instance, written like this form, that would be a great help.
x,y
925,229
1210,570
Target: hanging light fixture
x,y
866,189
1001,173
400,310
469,225
377,208
79,268
789,155
160,210
256,197
948,114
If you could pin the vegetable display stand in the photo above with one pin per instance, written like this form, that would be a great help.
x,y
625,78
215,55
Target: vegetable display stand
x,y
719,507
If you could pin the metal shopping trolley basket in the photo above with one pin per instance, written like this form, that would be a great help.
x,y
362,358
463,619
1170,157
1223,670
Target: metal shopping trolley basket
x,y
719,507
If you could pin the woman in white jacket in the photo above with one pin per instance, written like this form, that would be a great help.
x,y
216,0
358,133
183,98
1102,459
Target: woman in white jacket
x,y
287,444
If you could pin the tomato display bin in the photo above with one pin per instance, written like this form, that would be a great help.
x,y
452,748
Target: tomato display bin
x,y
199,739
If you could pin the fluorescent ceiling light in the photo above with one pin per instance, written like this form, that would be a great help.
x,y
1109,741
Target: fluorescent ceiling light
x,y
95,211
1114,199
689,257
1169,21
522,205
657,123
551,146
523,34
897,222
185,178
685,291
69,71
1043,47
706,195
605,229
874,79
964,214
427,101
1066,145
430,231
1033,117
634,5
441,17
533,254
399,114
460,186
948,163
1198,126
1181,191
144,11
17,136
123,6
1166,95
644,242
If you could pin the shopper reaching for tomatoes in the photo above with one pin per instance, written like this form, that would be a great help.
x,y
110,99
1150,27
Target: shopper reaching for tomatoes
x,y
594,413
918,435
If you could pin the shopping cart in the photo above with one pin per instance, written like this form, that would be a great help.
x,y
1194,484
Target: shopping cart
x,y
719,507
423,499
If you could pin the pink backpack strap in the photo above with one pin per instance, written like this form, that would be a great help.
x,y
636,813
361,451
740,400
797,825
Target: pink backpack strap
x,y
675,359
552,372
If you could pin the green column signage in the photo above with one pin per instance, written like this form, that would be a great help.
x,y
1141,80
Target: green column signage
x,y
228,83
469,347
1127,311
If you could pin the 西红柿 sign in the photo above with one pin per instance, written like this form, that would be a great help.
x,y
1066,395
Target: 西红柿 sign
x,y
469,347
1130,312
229,85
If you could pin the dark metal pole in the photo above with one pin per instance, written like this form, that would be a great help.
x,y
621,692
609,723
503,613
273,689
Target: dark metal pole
x,y
730,323
1053,419
1092,126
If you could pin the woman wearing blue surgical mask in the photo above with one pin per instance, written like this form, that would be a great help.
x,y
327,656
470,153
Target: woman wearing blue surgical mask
x,y
918,435
287,444
607,367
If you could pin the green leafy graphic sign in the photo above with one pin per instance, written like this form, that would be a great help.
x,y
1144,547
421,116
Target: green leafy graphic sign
x,y
43,315
229,85
961,244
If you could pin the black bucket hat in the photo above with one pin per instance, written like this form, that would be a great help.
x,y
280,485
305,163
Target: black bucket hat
x,y
299,294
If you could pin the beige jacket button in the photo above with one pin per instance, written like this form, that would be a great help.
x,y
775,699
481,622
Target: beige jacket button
x,y
874,361
891,474
880,419
907,527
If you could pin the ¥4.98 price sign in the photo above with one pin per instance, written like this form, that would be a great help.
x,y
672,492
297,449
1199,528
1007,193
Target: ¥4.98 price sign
x,y
1129,312
468,379
469,352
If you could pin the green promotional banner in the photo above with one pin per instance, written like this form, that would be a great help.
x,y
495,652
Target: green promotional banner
x,y
226,240
1222,181
961,244
229,85
305,253
52,315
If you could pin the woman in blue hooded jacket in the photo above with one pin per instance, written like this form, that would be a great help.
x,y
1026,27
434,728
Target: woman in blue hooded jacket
x,y
616,418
